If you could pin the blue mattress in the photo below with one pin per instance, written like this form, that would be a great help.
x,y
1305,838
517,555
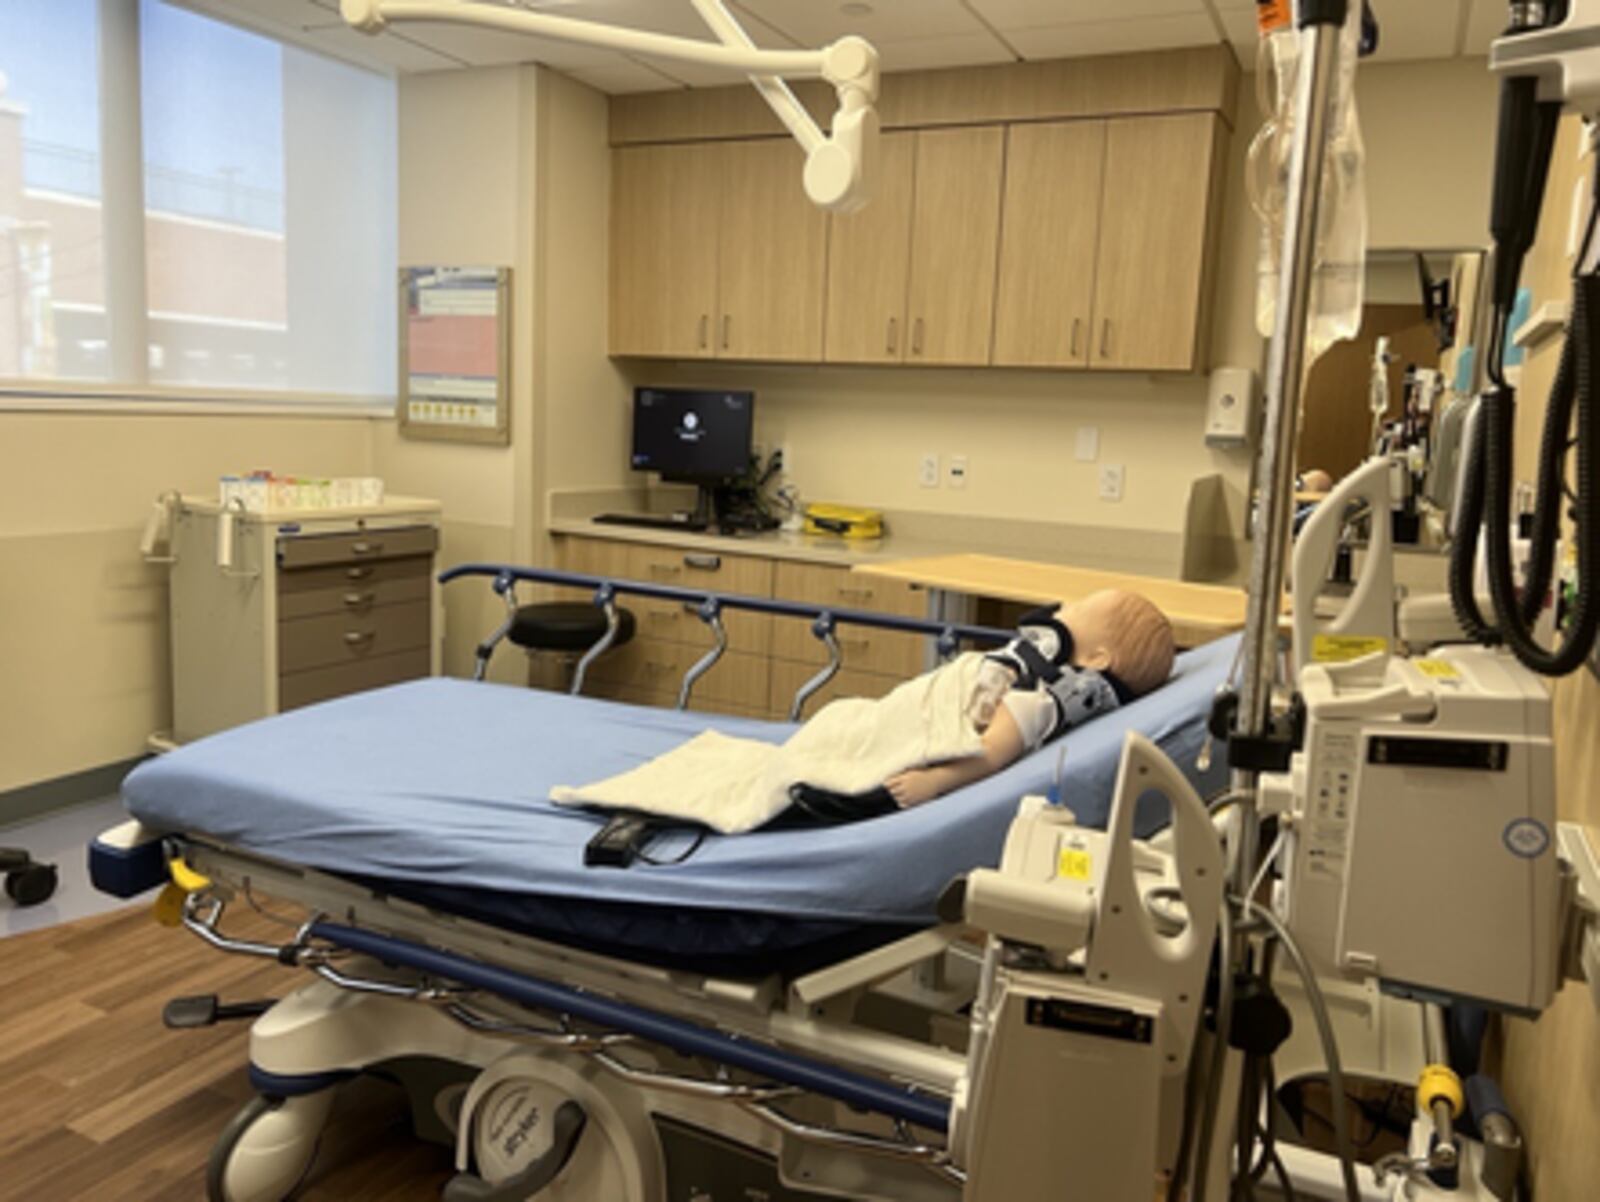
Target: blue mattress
x,y
436,790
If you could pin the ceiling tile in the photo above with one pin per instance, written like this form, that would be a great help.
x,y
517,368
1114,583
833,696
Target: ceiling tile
x,y
1418,29
1486,20
623,76
395,51
815,22
481,47
1113,37
1034,14
954,50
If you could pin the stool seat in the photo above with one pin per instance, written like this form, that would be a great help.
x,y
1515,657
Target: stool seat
x,y
565,626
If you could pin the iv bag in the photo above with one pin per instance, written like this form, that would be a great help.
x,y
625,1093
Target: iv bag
x,y
1339,260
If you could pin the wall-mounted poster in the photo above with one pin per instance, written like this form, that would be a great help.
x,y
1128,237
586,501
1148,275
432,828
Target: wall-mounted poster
x,y
455,353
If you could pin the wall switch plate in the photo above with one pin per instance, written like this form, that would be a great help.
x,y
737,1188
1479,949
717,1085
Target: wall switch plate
x,y
928,471
1088,444
956,471
1111,482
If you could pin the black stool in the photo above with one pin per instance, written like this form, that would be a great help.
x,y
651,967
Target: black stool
x,y
564,627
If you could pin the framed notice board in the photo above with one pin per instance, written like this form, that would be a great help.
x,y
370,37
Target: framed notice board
x,y
455,354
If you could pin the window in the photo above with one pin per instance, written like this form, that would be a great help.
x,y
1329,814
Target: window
x,y
250,247
52,269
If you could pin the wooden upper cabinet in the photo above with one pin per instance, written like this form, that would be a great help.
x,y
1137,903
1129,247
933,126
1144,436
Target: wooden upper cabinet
x,y
869,262
955,243
1156,222
772,255
664,249
1050,237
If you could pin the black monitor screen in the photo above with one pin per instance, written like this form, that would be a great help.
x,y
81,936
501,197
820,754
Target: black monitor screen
x,y
692,435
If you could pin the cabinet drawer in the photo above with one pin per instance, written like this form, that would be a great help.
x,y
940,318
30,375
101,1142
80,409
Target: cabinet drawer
x,y
313,550
319,684
353,588
865,649
788,677
655,666
325,640
668,620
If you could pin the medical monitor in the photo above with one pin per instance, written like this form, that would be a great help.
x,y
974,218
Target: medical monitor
x,y
692,435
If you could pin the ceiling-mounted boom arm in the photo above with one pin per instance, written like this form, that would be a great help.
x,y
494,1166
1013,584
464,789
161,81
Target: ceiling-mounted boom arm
x,y
837,163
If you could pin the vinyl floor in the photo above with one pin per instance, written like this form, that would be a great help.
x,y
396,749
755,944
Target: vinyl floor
x,y
100,1103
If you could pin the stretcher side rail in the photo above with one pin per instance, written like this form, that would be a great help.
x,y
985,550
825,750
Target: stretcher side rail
x,y
451,980
709,606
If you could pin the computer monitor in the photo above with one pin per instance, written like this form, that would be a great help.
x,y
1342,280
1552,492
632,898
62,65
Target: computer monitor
x,y
691,435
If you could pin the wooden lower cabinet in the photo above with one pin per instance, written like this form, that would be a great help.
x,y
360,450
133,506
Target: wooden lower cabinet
x,y
768,658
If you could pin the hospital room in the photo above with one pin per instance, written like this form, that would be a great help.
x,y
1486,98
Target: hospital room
x,y
798,600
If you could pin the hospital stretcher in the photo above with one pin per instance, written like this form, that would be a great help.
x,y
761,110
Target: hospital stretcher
x,y
791,993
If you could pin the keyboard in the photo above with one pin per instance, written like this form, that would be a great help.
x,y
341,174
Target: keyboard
x,y
652,521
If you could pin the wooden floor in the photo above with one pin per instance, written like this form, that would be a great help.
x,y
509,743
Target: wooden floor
x,y
98,1101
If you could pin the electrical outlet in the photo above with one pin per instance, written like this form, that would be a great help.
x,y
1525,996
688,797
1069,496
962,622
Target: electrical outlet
x,y
956,471
928,471
1088,444
1111,482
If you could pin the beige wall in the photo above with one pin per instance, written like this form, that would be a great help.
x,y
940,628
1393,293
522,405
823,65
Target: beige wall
x,y
1429,133
464,136
509,167
83,647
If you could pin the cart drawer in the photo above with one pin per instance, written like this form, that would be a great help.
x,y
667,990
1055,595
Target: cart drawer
x,y
314,550
320,684
326,640
353,588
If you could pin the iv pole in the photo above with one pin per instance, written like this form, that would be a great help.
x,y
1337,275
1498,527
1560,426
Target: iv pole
x,y
1286,371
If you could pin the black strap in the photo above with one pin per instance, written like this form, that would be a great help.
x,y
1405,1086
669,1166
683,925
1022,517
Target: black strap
x,y
823,807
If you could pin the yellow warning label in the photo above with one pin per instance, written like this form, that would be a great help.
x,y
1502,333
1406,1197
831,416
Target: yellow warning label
x,y
1438,669
1342,648
1075,865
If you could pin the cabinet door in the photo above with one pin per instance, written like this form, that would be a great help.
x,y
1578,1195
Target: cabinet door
x,y
955,242
869,261
1154,227
664,216
773,256
1050,233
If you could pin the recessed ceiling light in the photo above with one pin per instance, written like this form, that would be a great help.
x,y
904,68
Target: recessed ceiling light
x,y
856,8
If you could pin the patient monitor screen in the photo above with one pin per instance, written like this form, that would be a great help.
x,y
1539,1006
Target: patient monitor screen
x,y
692,435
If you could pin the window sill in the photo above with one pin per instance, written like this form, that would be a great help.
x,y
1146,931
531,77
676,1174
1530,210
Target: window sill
x,y
20,396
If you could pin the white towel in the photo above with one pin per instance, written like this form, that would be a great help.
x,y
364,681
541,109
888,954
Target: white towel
x,y
853,745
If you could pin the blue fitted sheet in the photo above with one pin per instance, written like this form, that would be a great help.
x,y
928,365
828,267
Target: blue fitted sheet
x,y
441,784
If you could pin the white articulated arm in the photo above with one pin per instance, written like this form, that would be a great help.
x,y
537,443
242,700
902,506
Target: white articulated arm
x,y
836,171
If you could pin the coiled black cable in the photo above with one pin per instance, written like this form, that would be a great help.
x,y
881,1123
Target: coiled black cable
x,y
1497,428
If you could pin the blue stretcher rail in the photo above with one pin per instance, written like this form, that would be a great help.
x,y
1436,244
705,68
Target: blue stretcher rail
x,y
708,607
504,575
854,1089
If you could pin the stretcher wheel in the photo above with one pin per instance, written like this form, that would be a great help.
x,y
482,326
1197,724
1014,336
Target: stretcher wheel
x,y
266,1150
31,885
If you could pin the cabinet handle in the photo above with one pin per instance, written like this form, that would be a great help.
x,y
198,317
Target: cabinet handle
x,y
861,594
1105,338
705,563
357,573
665,569
892,339
365,548
359,600
916,337
705,326
1077,328
663,615
356,637
727,330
